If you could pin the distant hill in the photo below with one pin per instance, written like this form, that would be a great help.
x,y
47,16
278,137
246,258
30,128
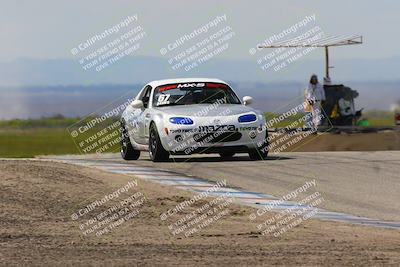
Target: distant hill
x,y
80,100
140,69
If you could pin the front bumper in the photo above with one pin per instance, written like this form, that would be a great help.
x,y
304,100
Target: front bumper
x,y
187,141
213,150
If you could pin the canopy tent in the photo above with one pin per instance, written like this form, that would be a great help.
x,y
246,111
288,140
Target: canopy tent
x,y
325,42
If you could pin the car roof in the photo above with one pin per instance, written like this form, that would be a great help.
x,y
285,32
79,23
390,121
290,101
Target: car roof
x,y
184,80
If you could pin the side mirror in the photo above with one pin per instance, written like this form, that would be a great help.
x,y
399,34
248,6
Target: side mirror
x,y
137,104
247,100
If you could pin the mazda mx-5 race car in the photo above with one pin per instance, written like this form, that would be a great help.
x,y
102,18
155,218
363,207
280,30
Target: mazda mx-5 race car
x,y
187,116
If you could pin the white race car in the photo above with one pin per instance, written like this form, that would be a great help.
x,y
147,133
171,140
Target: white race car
x,y
191,115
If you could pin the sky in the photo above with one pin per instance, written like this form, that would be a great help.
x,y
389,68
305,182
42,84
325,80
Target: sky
x,y
48,29
37,38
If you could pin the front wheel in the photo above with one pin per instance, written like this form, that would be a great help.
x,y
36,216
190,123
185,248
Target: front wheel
x,y
156,150
257,154
261,151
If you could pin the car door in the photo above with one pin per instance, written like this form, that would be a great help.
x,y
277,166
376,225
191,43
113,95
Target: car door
x,y
134,118
144,117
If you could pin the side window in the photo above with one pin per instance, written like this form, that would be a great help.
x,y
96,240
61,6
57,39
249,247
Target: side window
x,y
146,96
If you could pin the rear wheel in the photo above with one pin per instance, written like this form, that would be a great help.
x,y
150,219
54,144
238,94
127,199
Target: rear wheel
x,y
127,150
226,155
156,150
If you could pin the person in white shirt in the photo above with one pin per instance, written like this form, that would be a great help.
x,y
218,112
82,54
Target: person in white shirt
x,y
308,119
315,94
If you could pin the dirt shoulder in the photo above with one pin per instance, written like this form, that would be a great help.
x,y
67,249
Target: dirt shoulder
x,y
38,198
349,142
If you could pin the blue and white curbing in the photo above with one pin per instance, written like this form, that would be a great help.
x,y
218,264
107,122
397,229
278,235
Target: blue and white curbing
x,y
198,185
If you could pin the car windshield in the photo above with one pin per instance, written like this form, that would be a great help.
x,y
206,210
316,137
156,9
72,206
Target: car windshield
x,y
194,93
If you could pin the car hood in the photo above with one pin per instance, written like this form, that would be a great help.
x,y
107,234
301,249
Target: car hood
x,y
205,110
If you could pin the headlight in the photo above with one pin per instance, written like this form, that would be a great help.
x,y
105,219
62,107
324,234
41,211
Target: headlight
x,y
181,120
247,118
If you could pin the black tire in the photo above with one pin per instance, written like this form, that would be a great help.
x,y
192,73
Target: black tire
x,y
156,150
261,152
227,155
257,154
127,150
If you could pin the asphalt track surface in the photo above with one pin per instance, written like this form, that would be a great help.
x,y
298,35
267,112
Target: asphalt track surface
x,y
365,184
